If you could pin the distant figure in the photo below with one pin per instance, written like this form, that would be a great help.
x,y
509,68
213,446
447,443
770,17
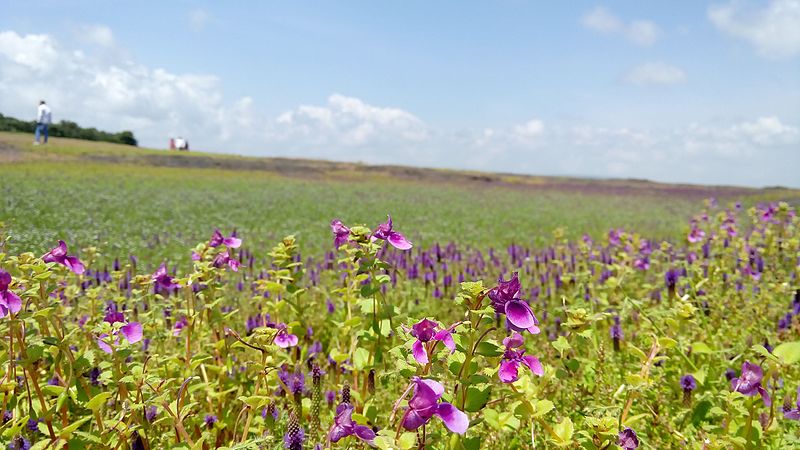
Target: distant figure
x,y
171,144
43,120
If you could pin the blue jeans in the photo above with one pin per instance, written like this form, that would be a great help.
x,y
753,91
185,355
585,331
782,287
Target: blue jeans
x,y
41,128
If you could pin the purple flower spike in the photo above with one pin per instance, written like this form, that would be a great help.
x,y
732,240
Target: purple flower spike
x,y
343,426
793,413
340,233
425,404
284,339
749,383
505,300
426,331
59,255
218,239
386,232
509,366
628,439
9,301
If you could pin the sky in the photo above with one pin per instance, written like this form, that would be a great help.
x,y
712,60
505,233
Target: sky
x,y
679,91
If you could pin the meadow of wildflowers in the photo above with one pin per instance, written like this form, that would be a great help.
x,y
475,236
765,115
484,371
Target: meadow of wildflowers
x,y
152,307
616,341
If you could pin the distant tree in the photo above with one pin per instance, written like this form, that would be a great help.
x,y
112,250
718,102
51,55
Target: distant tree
x,y
69,129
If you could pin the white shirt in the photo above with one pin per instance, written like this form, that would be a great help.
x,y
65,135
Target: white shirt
x,y
43,115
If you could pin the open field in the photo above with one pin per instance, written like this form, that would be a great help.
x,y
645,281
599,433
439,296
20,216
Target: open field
x,y
134,201
628,314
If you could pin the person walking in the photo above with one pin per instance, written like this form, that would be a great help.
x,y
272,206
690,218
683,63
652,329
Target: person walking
x,y
43,119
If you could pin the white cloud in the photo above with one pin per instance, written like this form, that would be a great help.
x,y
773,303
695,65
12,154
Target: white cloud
x,y
198,19
655,73
640,32
96,34
530,129
88,88
349,126
600,19
774,31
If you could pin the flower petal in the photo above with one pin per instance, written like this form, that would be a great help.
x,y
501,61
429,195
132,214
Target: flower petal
x,y
520,314
74,264
365,433
398,241
285,340
435,386
102,343
419,352
454,419
232,242
534,364
132,332
413,420
12,301
447,339
508,372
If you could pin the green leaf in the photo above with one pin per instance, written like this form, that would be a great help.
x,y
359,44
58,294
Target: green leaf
x,y
67,431
98,401
701,348
542,407
788,352
562,345
488,349
562,432
477,398
360,358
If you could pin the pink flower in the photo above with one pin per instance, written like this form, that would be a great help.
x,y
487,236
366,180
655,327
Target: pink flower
x,y
340,233
59,255
131,331
427,334
284,339
386,232
505,300
9,301
425,404
512,358
218,239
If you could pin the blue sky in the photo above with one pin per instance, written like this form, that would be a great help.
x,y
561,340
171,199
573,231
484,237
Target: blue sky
x,y
674,91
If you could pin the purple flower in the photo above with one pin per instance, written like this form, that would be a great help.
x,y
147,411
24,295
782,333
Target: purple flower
x,y
426,331
696,234
284,339
180,324
688,383
387,233
210,420
344,426
793,413
425,404
512,358
162,279
749,383
340,232
150,413
131,331
9,301
59,255
218,239
628,439
505,300
19,443
224,258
